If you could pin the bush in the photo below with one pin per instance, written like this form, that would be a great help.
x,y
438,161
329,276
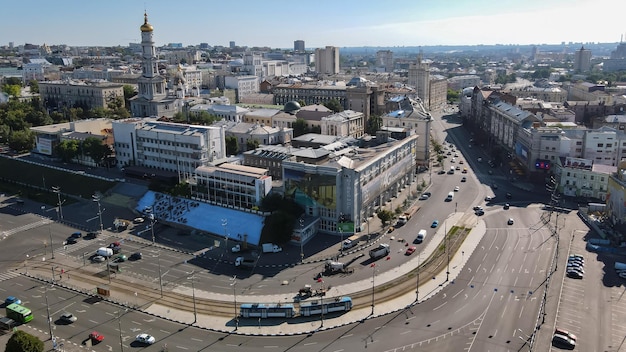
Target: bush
x,y
21,341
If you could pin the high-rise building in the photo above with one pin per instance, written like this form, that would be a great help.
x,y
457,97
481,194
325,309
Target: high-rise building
x,y
582,60
231,44
327,60
419,77
298,46
384,58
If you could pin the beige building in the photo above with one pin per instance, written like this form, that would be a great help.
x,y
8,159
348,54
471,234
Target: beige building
x,y
347,123
87,95
327,60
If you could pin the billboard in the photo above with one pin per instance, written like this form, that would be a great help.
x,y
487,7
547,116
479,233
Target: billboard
x,y
310,189
578,163
521,151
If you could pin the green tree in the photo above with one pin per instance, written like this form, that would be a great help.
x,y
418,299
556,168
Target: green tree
x,y
334,105
278,227
129,92
22,341
299,127
67,149
252,144
231,145
452,95
14,81
181,190
95,149
302,103
22,141
34,86
374,123
12,90
385,216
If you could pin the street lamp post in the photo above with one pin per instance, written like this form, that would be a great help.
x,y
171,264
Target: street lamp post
x,y
234,285
48,312
301,240
193,296
417,281
225,224
373,276
50,234
57,190
96,198
151,216
119,326
445,234
160,275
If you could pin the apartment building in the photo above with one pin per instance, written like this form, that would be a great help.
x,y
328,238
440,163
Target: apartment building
x,y
327,60
72,93
243,85
347,123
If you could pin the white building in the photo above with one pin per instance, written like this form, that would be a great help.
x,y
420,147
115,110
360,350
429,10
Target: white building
x,y
244,85
347,123
232,113
172,147
583,178
410,114
327,60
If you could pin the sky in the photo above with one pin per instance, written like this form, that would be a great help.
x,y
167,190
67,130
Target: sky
x,y
341,23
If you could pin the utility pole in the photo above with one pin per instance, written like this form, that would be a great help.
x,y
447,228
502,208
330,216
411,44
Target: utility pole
x,y
49,233
48,312
96,198
445,234
417,282
57,190
234,285
301,240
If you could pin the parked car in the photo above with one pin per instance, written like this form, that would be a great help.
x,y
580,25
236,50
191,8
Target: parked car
x,y
511,221
456,189
561,341
11,300
76,234
565,333
424,197
441,172
71,240
461,162
574,274
434,224
506,206
478,207
138,220
410,250
145,339
463,179
91,235
464,170
98,259
479,212
68,318
136,256
120,258
116,247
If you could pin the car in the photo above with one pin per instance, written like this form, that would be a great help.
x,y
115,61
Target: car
x,y
561,341
577,261
509,196
489,198
479,212
456,155
461,162
135,256
576,256
410,250
116,247
115,244
449,153
76,234
480,160
71,240
456,189
511,221
457,167
558,331
463,179
91,235
96,337
68,318
145,339
424,197
478,207
120,258
464,170
427,194
391,229
506,206
453,160
434,224
138,220
98,259
576,267
441,172
11,300
574,274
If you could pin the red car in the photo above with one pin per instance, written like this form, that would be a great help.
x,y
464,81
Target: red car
x,y
96,337
410,250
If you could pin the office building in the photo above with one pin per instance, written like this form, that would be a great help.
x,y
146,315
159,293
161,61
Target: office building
x,y
327,60
298,46
582,60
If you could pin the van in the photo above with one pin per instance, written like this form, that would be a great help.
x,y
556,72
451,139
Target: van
x,y
421,235
450,197
105,252
350,242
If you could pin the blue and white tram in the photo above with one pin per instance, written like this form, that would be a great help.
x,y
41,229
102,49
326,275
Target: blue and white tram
x,y
260,310
342,304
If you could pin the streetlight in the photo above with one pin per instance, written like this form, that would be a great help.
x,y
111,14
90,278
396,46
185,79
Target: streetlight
x,y
49,232
301,240
151,216
193,295
57,190
96,198
224,224
417,282
445,234
48,311
234,284
160,275
373,275
119,326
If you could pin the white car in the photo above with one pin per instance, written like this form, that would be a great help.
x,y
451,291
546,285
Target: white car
x,y
456,189
138,220
145,339
511,221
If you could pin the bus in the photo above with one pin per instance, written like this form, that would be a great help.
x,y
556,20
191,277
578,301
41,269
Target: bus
x,y
19,313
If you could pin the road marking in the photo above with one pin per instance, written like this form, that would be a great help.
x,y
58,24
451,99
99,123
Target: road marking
x,y
182,347
443,304
456,294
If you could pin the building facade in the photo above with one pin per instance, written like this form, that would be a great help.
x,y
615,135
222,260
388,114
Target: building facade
x,y
88,95
327,60
582,60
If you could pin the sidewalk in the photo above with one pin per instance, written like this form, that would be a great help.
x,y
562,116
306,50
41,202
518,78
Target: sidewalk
x,y
296,325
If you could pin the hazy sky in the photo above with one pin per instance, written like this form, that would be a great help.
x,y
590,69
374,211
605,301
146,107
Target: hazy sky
x,y
277,23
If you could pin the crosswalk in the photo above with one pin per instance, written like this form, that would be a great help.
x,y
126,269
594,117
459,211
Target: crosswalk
x,y
32,225
8,275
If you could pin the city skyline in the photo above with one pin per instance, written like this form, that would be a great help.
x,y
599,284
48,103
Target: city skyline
x,y
277,24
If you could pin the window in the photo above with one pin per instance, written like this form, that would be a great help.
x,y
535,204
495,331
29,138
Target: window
x,y
600,145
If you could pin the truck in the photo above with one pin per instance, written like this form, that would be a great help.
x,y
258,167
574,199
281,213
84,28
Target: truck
x,y
308,291
242,262
271,248
380,251
238,248
350,242
334,267
403,219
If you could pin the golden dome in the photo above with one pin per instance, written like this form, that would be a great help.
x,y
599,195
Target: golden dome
x,y
146,27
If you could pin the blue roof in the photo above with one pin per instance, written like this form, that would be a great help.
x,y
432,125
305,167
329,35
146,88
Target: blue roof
x,y
204,217
397,113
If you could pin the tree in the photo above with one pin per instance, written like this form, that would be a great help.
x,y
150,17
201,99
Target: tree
x,y
34,86
453,95
14,81
22,341
299,127
252,144
373,124
181,190
95,149
129,92
334,105
385,216
231,145
12,90
67,149
302,103
22,141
